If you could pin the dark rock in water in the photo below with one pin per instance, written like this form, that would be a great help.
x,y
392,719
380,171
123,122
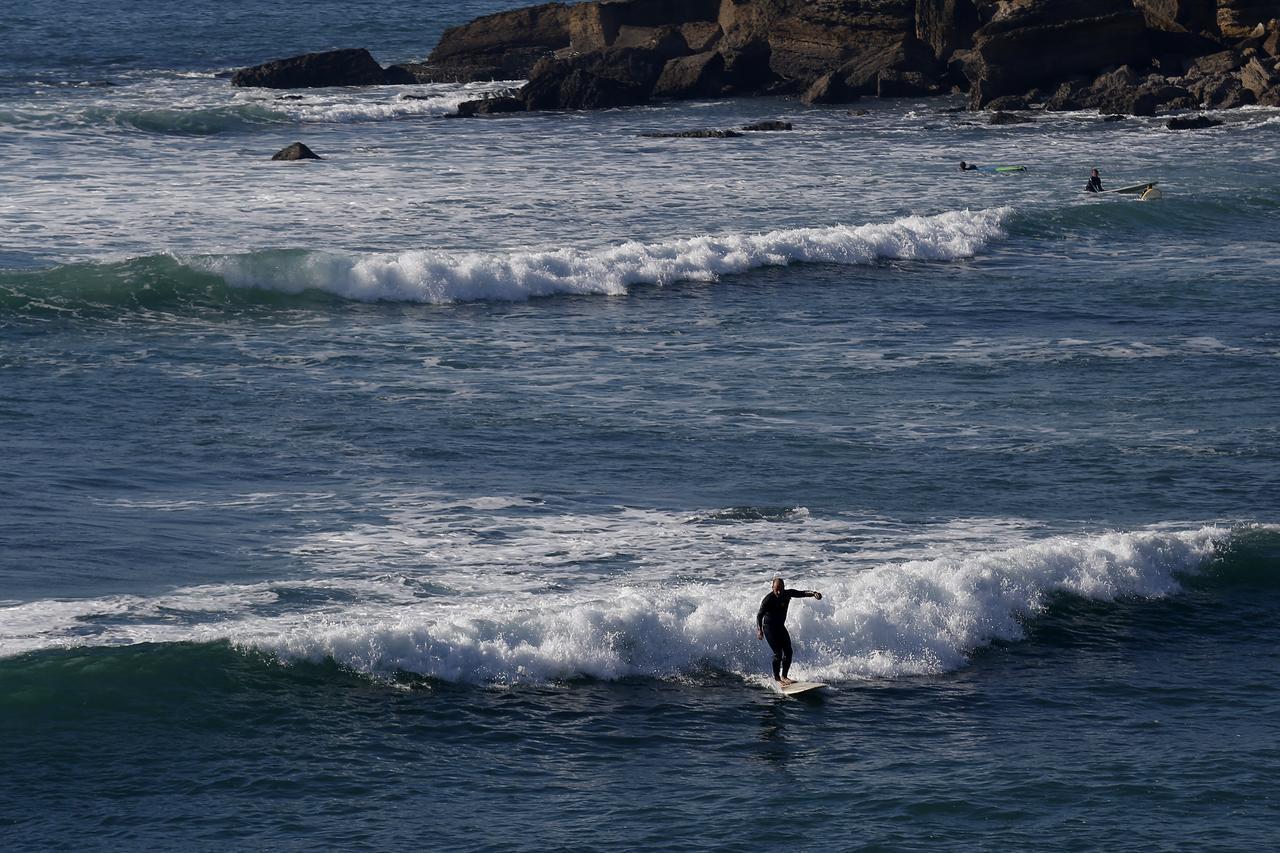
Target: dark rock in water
x,y
693,134
830,88
1228,93
1113,118
768,125
1009,118
611,78
1009,103
1194,123
491,106
353,67
905,84
398,75
290,97
296,151
700,75
503,46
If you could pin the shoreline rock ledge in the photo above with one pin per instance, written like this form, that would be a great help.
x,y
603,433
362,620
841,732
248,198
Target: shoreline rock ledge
x,y
1137,57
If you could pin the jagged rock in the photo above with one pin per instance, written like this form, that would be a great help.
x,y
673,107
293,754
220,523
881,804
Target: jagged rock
x,y
1184,16
1113,118
490,106
596,26
350,67
700,75
296,151
1069,96
946,25
503,46
1271,42
1009,103
610,78
768,126
1215,64
693,134
905,84
864,41
1258,76
1009,118
1227,94
1194,123
1039,42
830,88
1240,19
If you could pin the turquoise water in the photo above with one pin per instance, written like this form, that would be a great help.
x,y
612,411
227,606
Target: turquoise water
x,y
423,497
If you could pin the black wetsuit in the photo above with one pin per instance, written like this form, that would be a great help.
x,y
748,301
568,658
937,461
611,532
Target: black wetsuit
x,y
771,619
1094,185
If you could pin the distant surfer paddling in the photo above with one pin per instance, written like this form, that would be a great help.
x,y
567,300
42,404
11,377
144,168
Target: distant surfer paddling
x,y
967,167
1095,182
771,625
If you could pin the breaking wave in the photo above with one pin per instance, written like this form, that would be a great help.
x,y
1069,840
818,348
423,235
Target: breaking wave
x,y
437,277
917,615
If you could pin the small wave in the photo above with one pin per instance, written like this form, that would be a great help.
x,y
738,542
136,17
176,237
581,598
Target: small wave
x,y
434,277
188,122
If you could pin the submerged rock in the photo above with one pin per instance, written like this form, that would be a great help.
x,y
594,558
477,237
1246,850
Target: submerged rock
x,y
1009,118
1193,123
490,106
351,67
693,134
768,126
296,151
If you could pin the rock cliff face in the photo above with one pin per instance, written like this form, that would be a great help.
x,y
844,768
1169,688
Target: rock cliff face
x,y
1131,56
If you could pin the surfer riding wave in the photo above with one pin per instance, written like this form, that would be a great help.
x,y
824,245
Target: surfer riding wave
x,y
771,625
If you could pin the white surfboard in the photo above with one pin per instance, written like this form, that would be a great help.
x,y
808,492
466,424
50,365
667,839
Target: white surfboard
x,y
1133,188
797,688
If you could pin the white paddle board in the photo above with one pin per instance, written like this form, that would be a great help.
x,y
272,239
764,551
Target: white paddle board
x,y
797,688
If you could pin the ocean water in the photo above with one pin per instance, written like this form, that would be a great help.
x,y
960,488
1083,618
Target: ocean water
x,y
422,497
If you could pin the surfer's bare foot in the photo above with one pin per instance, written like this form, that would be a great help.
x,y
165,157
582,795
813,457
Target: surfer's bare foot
x,y
785,681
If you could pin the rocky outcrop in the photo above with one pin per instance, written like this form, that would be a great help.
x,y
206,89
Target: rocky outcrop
x,y
490,106
350,67
504,46
1036,43
1193,123
296,151
616,77
1130,57
698,76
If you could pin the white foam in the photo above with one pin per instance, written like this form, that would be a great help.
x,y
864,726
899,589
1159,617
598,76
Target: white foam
x,y
637,592
442,277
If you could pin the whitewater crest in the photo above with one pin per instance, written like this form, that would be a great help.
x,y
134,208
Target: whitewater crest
x,y
879,618
444,277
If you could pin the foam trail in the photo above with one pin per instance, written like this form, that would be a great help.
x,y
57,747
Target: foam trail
x,y
440,277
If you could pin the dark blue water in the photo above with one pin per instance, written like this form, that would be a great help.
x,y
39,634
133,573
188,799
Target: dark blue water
x,y
423,497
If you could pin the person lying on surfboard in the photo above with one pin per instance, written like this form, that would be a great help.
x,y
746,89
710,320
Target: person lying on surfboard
x,y
1095,182
967,167
771,625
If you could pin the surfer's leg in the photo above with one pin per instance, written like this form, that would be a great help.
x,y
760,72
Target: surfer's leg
x,y
775,643
784,652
